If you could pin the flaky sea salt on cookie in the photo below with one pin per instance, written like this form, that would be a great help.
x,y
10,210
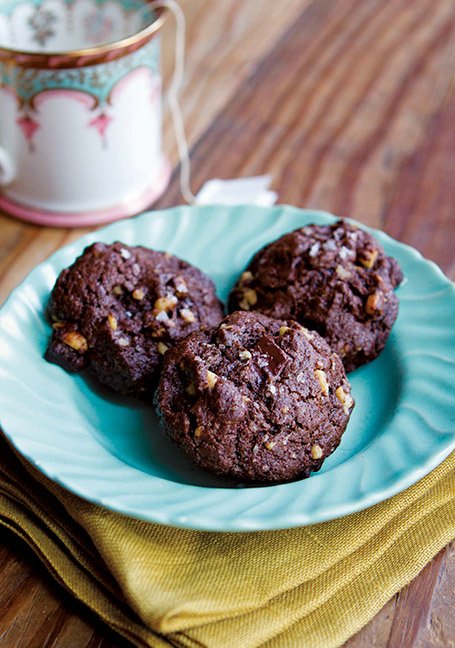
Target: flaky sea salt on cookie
x,y
118,309
335,279
255,399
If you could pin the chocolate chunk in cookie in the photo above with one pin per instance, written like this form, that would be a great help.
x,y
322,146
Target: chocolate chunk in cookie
x,y
118,309
256,399
335,279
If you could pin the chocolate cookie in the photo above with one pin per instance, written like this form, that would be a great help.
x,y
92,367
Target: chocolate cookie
x,y
118,309
256,399
335,279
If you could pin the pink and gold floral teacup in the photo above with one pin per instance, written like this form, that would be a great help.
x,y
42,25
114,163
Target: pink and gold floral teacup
x,y
80,110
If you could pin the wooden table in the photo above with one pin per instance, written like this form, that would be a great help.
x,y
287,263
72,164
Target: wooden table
x,y
349,104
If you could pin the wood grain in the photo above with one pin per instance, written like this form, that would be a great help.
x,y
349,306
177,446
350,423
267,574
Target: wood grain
x,y
350,105
224,43
36,613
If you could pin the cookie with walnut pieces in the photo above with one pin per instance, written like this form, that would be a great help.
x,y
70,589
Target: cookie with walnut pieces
x,y
255,399
335,279
118,309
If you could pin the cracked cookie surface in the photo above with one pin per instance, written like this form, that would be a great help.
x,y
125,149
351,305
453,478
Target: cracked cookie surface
x,y
255,399
335,279
117,309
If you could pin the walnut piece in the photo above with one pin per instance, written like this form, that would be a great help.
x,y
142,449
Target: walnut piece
x,y
162,348
316,451
250,296
180,286
345,399
76,341
369,258
187,315
112,321
211,379
374,303
165,303
246,276
322,378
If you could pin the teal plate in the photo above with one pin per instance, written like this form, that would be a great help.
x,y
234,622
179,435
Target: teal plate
x,y
111,451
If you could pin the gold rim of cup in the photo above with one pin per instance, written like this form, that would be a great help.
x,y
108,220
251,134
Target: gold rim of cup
x,y
89,55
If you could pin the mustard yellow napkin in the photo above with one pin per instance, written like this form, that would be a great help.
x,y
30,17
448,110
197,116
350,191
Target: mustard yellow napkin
x,y
158,586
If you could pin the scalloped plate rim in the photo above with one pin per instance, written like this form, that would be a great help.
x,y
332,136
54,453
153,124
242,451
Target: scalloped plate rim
x,y
242,523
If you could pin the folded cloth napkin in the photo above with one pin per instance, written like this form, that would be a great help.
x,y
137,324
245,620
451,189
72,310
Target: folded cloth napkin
x,y
158,586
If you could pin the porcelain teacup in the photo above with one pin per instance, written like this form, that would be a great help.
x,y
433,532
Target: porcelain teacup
x,y
80,109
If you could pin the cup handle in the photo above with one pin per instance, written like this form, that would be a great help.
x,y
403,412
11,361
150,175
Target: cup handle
x,y
7,171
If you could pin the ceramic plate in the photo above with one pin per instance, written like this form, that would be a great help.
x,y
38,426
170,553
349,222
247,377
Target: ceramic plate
x,y
111,451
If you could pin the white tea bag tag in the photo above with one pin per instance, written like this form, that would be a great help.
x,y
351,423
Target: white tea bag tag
x,y
239,191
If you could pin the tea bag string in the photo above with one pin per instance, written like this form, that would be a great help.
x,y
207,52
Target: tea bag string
x,y
173,97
